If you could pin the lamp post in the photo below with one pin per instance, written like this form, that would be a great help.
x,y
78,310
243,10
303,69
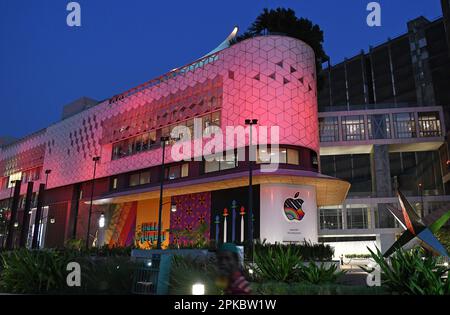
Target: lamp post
x,y
47,172
39,213
9,209
95,159
250,122
161,187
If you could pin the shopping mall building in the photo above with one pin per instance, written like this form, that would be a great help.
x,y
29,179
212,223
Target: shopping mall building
x,y
342,152
269,78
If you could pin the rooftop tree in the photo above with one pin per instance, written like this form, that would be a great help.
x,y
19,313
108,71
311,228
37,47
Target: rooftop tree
x,y
285,21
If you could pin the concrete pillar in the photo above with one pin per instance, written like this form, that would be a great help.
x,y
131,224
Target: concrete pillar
x,y
381,172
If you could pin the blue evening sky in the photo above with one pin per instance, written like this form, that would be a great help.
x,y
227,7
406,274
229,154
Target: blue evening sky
x,y
44,64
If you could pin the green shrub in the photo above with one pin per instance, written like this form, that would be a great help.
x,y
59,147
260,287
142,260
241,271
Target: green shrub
x,y
276,262
25,271
443,236
307,250
281,262
281,288
358,256
105,275
314,274
44,271
411,272
187,270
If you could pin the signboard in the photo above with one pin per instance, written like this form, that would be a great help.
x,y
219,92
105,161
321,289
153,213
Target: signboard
x,y
288,213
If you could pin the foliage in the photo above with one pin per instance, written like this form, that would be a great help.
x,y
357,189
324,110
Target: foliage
x,y
75,244
319,274
285,263
25,271
357,256
44,271
187,270
443,235
281,288
105,275
277,262
307,250
411,272
285,21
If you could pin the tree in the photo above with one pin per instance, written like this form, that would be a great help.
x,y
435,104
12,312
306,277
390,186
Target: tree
x,y
285,21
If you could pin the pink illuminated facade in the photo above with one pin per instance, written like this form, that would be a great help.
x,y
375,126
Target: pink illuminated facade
x,y
269,78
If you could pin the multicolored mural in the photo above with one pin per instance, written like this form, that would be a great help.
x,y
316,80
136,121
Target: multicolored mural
x,y
121,227
147,223
192,210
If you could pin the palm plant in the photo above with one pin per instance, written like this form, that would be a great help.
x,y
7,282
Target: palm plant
x,y
319,274
277,262
412,273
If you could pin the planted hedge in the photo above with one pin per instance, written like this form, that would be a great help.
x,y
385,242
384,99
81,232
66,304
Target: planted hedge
x,y
282,288
308,251
103,271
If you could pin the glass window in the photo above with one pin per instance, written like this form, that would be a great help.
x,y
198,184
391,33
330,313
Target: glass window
x,y
429,124
384,218
134,179
378,126
177,171
285,156
330,218
206,121
137,144
292,157
190,125
144,178
152,139
329,129
267,155
215,119
145,141
404,125
353,128
212,166
114,183
173,172
185,170
229,161
357,218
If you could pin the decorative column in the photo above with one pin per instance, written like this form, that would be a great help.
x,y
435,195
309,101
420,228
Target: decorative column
x,y
225,214
233,223
217,222
242,212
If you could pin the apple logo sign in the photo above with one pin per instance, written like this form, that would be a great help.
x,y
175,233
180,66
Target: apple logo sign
x,y
293,208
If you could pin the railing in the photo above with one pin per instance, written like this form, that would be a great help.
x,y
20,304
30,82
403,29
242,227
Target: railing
x,y
349,108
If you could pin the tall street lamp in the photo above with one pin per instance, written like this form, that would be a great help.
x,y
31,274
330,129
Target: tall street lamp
x,y
161,179
47,172
9,209
95,159
39,213
250,122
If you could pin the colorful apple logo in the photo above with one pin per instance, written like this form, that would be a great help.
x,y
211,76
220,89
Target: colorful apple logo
x,y
293,208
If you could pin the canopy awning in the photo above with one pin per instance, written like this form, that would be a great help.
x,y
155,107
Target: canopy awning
x,y
329,190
